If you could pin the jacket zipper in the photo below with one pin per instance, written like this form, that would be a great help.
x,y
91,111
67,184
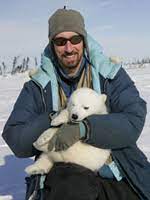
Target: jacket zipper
x,y
104,87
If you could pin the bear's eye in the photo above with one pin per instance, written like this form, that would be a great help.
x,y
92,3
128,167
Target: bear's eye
x,y
86,107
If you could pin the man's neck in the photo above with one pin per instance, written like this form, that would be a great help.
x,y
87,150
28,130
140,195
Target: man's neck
x,y
71,76
71,72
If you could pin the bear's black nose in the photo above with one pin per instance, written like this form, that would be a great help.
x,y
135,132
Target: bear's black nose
x,y
74,116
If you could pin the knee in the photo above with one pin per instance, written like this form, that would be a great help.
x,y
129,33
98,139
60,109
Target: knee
x,y
71,182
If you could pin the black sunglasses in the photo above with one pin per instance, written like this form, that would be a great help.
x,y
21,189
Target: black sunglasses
x,y
60,41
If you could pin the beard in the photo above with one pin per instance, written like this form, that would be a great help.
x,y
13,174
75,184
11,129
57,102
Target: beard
x,y
70,60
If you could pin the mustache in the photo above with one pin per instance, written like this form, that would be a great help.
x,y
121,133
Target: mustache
x,y
69,54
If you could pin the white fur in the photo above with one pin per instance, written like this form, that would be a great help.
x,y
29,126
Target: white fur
x,y
82,103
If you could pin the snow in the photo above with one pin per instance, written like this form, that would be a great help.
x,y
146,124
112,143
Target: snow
x,y
12,183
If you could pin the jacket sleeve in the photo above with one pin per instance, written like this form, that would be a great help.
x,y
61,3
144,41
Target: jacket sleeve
x,y
26,122
123,125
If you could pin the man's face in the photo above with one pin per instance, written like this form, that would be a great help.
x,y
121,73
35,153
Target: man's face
x,y
69,55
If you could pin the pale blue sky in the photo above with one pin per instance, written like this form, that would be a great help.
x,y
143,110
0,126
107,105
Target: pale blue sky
x,y
122,27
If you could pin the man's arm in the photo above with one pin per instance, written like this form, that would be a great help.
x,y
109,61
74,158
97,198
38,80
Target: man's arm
x,y
26,122
122,127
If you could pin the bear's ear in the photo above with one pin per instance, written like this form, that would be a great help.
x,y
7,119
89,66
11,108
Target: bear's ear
x,y
103,97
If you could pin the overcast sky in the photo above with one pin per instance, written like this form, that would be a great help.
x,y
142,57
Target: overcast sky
x,y
122,27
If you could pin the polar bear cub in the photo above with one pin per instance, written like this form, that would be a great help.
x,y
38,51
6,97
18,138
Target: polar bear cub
x,y
82,103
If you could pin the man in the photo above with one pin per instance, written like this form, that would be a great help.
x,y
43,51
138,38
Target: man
x,y
72,59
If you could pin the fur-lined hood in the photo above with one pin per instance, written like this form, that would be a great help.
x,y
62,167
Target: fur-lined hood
x,y
100,64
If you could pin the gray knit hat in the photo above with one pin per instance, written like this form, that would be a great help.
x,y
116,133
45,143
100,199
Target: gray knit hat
x,y
66,20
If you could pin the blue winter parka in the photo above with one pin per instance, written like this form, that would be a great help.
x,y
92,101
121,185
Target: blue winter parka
x,y
119,130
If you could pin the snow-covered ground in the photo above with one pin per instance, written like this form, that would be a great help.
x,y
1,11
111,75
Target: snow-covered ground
x,y
12,184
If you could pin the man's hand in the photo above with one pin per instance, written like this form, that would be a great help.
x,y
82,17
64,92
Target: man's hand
x,y
66,136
